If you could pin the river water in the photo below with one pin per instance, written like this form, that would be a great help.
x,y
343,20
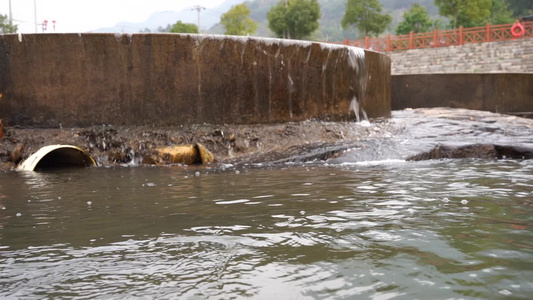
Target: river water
x,y
437,229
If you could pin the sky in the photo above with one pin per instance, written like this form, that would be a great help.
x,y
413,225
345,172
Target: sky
x,y
87,15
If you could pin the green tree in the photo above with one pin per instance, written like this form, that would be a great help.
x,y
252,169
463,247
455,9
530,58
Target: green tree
x,y
520,8
416,19
500,13
367,16
237,21
303,17
181,27
277,20
6,26
295,19
467,10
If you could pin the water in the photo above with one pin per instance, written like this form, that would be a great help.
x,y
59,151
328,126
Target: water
x,y
391,230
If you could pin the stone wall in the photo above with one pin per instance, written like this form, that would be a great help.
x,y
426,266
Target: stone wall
x,y
170,79
496,57
503,93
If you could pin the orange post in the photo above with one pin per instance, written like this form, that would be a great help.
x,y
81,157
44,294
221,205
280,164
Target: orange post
x,y
487,33
435,39
389,48
411,43
346,41
367,42
461,37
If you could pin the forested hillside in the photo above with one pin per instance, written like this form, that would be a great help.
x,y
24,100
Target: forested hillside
x,y
332,12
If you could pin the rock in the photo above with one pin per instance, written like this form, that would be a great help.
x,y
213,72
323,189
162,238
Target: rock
x,y
448,151
16,154
514,151
150,160
7,165
4,155
230,138
117,156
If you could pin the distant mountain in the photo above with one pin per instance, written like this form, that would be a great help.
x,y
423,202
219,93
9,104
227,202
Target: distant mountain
x,y
208,18
332,12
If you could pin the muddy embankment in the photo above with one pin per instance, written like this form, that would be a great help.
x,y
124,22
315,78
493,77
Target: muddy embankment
x,y
418,134
121,145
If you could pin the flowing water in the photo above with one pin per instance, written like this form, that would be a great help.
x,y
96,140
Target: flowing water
x,y
391,230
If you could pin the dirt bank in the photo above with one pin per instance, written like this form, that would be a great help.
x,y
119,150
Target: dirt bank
x,y
117,145
410,135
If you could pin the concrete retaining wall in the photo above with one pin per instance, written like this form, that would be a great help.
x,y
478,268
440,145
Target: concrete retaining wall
x,y
169,79
496,57
504,93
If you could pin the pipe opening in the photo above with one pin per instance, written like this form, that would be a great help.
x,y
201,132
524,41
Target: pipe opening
x,y
64,158
57,156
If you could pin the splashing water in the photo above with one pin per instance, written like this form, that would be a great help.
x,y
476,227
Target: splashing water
x,y
354,105
356,108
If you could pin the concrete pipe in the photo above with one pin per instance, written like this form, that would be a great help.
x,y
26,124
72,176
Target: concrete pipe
x,y
57,156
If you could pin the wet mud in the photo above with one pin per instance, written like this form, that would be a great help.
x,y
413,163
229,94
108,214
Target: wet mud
x,y
120,145
409,135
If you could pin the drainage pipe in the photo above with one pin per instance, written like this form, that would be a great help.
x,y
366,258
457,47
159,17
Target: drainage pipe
x,y
57,156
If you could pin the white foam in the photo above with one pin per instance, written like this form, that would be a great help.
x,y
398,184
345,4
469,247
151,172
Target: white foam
x,y
232,202
355,54
374,162
118,36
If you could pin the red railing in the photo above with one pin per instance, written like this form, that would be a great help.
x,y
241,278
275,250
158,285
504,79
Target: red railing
x,y
442,38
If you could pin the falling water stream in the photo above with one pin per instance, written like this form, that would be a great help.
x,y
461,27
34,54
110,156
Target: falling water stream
x,y
442,229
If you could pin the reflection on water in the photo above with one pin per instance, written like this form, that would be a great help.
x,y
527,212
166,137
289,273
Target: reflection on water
x,y
441,229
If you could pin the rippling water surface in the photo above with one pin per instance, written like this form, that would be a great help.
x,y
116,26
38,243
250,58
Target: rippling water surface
x,y
427,230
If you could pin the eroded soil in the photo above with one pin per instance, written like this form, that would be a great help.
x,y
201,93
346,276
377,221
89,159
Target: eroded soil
x,y
411,134
117,145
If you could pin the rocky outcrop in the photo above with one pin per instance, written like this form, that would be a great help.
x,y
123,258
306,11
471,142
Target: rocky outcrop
x,y
483,151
